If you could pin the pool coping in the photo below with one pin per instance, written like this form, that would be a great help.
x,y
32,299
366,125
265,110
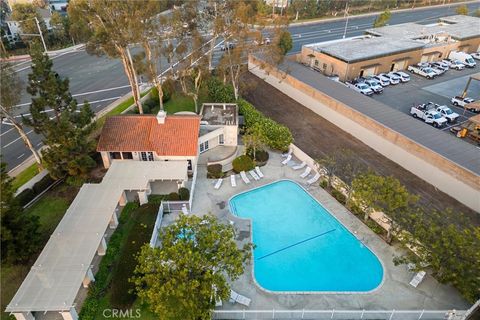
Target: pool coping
x,y
304,292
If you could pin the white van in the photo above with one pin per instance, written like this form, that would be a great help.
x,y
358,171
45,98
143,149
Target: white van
x,y
463,57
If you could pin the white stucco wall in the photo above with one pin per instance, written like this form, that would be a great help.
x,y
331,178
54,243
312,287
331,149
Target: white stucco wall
x,y
447,183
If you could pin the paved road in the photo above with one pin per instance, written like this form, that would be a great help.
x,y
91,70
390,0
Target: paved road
x,y
101,80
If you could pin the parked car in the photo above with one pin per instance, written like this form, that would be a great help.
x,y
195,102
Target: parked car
x,y
447,113
361,87
423,64
437,70
404,77
457,65
374,85
429,116
384,81
463,102
424,72
440,66
227,46
446,62
463,57
394,79
475,55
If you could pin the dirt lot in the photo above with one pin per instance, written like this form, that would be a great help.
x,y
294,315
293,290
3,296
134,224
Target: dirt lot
x,y
317,137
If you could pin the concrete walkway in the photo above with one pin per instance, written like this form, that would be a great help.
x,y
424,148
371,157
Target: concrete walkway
x,y
394,293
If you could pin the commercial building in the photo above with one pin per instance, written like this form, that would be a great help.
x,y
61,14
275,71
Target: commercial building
x,y
393,47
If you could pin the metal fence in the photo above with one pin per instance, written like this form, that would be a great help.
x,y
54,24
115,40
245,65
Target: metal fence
x,y
341,314
156,228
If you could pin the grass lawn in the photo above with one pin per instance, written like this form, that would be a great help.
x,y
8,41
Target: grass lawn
x,y
50,208
24,176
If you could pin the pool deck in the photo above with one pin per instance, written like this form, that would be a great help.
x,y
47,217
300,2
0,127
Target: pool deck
x,y
394,293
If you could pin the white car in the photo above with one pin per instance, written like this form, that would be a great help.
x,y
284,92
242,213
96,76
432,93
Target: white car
x,y
447,113
374,85
384,81
429,116
404,77
457,65
426,72
394,79
361,87
446,62
475,55
461,102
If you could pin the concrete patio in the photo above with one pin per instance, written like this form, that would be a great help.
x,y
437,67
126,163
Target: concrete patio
x,y
394,293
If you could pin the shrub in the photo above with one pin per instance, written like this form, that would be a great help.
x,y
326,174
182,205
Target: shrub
x,y
167,93
220,92
243,163
260,155
339,196
149,105
43,184
324,184
184,193
214,171
173,196
25,196
277,136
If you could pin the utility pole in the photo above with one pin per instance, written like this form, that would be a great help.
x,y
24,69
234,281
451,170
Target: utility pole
x,y
346,22
41,35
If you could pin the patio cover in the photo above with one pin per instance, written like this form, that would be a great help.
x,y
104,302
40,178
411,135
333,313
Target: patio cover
x,y
54,280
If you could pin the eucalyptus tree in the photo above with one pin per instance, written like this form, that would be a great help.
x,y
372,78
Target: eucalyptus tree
x,y
111,30
11,87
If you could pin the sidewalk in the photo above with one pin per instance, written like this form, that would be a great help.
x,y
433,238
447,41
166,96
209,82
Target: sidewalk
x,y
50,53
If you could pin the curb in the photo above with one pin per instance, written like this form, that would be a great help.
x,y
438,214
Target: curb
x,y
50,53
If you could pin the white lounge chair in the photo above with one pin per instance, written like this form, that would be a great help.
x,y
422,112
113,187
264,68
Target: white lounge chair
x,y
289,157
314,179
254,175
235,297
284,155
306,172
299,166
233,180
184,209
218,184
244,177
257,170
418,278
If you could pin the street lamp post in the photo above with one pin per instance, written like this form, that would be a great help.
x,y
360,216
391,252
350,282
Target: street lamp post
x,y
346,22
41,34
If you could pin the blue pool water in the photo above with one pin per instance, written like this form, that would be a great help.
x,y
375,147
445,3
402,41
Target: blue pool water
x,y
300,246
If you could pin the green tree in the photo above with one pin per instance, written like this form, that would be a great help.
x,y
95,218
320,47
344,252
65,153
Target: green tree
x,y
11,87
384,194
449,247
285,42
382,19
110,27
66,134
60,27
463,9
19,231
185,276
331,164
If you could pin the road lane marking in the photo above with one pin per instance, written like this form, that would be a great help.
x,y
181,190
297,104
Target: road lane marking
x,y
20,155
13,141
80,104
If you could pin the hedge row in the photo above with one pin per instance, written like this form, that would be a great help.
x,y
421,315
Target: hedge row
x,y
278,136
28,194
243,163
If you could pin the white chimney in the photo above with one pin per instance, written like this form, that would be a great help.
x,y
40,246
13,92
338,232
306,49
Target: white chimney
x,y
161,115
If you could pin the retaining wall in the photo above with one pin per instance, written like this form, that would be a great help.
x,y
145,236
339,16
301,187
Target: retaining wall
x,y
442,173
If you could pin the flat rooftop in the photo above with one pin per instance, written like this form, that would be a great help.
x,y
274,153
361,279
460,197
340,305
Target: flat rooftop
x,y
459,27
219,114
446,145
365,48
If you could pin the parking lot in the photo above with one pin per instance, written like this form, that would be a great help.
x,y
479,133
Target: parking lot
x,y
439,90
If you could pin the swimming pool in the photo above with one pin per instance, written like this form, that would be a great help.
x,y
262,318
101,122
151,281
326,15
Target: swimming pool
x,y
300,246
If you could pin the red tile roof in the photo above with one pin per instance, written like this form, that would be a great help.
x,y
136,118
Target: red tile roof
x,y
178,136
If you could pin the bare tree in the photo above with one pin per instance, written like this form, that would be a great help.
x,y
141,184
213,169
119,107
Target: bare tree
x,y
11,88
